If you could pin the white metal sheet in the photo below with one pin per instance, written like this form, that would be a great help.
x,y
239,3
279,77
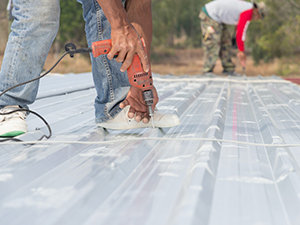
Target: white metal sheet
x,y
233,160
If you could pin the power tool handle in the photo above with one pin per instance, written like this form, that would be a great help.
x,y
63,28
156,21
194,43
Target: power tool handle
x,y
101,47
136,75
104,47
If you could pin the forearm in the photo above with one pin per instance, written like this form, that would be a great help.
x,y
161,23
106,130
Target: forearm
x,y
140,16
115,13
127,25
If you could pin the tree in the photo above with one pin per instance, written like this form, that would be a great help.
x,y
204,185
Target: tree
x,y
171,17
278,34
71,23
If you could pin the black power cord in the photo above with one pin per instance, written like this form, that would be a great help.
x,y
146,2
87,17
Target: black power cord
x,y
70,49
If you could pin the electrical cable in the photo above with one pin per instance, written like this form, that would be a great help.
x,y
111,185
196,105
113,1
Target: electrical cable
x,y
37,78
10,139
157,139
70,49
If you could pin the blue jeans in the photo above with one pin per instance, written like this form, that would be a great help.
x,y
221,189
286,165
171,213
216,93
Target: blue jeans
x,y
33,31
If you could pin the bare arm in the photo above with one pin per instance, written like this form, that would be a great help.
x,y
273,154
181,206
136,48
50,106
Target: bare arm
x,y
128,25
125,39
140,16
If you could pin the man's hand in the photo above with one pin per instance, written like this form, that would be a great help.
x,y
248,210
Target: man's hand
x,y
242,57
138,108
126,41
126,27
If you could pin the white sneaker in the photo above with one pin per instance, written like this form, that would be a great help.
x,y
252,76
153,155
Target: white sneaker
x,y
14,124
122,122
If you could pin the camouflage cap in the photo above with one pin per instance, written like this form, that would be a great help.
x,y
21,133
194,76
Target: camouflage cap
x,y
262,8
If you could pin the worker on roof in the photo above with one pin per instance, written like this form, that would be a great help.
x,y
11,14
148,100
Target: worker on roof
x,y
216,42
117,103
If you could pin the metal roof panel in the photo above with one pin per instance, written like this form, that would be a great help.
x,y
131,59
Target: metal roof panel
x,y
233,160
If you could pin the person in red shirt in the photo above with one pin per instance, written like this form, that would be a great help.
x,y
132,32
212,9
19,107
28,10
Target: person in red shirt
x,y
216,42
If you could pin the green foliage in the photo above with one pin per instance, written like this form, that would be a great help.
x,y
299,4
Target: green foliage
x,y
172,18
190,22
278,34
165,14
71,23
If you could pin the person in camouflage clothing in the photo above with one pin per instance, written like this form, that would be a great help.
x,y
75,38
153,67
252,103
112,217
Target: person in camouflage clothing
x,y
216,42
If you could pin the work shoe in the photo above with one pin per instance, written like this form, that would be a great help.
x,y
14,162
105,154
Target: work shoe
x,y
230,73
14,124
208,73
122,122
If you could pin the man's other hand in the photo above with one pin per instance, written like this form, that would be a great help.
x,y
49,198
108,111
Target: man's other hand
x,y
138,108
242,57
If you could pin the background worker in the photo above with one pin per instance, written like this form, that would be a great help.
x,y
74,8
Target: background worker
x,y
33,31
216,41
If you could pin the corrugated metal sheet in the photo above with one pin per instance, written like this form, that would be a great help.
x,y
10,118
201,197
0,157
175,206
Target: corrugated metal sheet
x,y
235,158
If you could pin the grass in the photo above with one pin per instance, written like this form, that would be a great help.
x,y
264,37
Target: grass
x,y
190,61
180,62
168,61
